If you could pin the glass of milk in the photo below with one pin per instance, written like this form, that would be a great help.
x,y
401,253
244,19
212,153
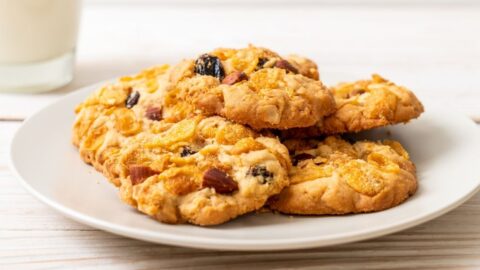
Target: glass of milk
x,y
37,44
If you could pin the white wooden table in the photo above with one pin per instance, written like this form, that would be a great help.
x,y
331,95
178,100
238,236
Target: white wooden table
x,y
433,50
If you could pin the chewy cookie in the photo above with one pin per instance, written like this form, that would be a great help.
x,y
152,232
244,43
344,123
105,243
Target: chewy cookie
x,y
364,105
252,86
201,170
175,140
336,177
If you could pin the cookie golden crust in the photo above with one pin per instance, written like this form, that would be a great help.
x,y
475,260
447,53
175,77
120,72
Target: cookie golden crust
x,y
252,86
363,105
333,177
200,170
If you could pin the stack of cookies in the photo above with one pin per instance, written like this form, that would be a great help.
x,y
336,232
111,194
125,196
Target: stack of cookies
x,y
237,130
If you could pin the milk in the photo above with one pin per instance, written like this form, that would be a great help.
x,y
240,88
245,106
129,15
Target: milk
x,y
34,32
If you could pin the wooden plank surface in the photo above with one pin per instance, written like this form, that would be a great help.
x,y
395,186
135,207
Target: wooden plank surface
x,y
433,50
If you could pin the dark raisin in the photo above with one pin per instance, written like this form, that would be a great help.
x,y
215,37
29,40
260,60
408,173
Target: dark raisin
x,y
132,99
274,132
187,151
349,138
301,157
262,172
261,62
209,65
219,180
319,162
154,113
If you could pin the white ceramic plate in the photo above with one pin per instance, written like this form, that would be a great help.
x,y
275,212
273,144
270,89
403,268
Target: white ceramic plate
x,y
445,147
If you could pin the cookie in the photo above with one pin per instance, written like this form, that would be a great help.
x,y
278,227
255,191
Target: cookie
x,y
201,170
252,86
364,105
334,177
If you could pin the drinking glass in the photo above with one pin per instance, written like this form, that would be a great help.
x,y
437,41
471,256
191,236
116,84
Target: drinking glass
x,y
37,44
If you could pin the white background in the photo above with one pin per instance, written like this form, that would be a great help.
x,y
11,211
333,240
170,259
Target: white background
x,y
432,48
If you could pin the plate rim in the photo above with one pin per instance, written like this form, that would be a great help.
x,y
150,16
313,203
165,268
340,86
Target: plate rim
x,y
160,237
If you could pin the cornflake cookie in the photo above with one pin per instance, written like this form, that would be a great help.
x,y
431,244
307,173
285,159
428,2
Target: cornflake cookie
x,y
336,177
252,86
363,105
121,106
200,170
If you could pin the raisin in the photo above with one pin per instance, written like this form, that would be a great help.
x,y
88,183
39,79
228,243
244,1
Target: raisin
x,y
139,173
274,132
301,157
154,113
319,162
350,138
265,175
219,180
187,151
132,99
261,62
284,64
234,77
209,65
